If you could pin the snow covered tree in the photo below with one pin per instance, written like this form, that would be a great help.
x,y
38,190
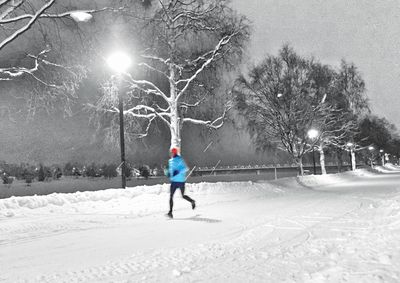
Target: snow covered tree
x,y
186,46
322,77
348,95
394,148
375,131
282,102
344,91
380,134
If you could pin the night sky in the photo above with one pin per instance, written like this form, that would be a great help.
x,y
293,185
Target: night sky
x,y
364,32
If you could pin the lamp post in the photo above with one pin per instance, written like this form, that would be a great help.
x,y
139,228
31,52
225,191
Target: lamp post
x,y
119,62
382,152
371,148
350,147
312,134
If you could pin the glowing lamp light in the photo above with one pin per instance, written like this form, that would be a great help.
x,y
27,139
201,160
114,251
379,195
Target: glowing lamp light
x,y
381,150
371,148
119,62
80,16
350,144
313,133
279,95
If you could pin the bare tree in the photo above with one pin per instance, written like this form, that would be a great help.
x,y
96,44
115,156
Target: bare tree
x,y
348,94
336,125
282,102
184,41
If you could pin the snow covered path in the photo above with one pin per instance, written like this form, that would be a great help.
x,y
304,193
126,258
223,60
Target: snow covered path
x,y
335,228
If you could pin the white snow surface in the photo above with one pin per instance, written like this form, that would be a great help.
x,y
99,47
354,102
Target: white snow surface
x,y
332,228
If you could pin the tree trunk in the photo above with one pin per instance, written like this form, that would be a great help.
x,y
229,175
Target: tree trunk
x,y
175,126
339,160
175,120
322,158
353,159
299,162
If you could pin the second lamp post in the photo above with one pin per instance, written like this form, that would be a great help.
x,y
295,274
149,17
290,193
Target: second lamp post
x,y
313,134
119,62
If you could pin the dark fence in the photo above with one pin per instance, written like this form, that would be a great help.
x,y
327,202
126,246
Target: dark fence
x,y
279,171
222,174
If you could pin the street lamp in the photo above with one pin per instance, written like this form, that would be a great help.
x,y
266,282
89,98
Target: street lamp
x,y
371,148
350,147
312,134
382,152
119,62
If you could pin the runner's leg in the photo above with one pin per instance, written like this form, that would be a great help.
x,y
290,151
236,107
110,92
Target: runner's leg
x,y
171,196
182,187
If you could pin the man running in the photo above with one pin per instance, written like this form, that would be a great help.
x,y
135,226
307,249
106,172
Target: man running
x,y
177,174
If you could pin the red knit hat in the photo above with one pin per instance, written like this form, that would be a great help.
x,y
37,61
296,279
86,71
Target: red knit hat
x,y
174,151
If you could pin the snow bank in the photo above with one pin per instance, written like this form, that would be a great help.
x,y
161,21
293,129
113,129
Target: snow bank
x,y
392,166
59,199
143,200
329,179
388,168
140,200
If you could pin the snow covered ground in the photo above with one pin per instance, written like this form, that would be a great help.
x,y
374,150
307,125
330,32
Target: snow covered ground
x,y
334,228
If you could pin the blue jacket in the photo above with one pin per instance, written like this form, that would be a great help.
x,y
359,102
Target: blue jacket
x,y
177,167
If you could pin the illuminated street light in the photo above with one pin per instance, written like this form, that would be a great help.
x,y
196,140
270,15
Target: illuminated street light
x,y
312,134
371,148
351,149
120,62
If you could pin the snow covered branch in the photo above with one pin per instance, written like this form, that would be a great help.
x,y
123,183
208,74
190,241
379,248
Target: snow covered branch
x,y
12,72
27,26
147,112
147,87
9,19
154,69
213,54
214,124
52,16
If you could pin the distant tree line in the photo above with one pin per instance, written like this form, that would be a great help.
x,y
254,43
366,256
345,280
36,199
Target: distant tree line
x,y
42,173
